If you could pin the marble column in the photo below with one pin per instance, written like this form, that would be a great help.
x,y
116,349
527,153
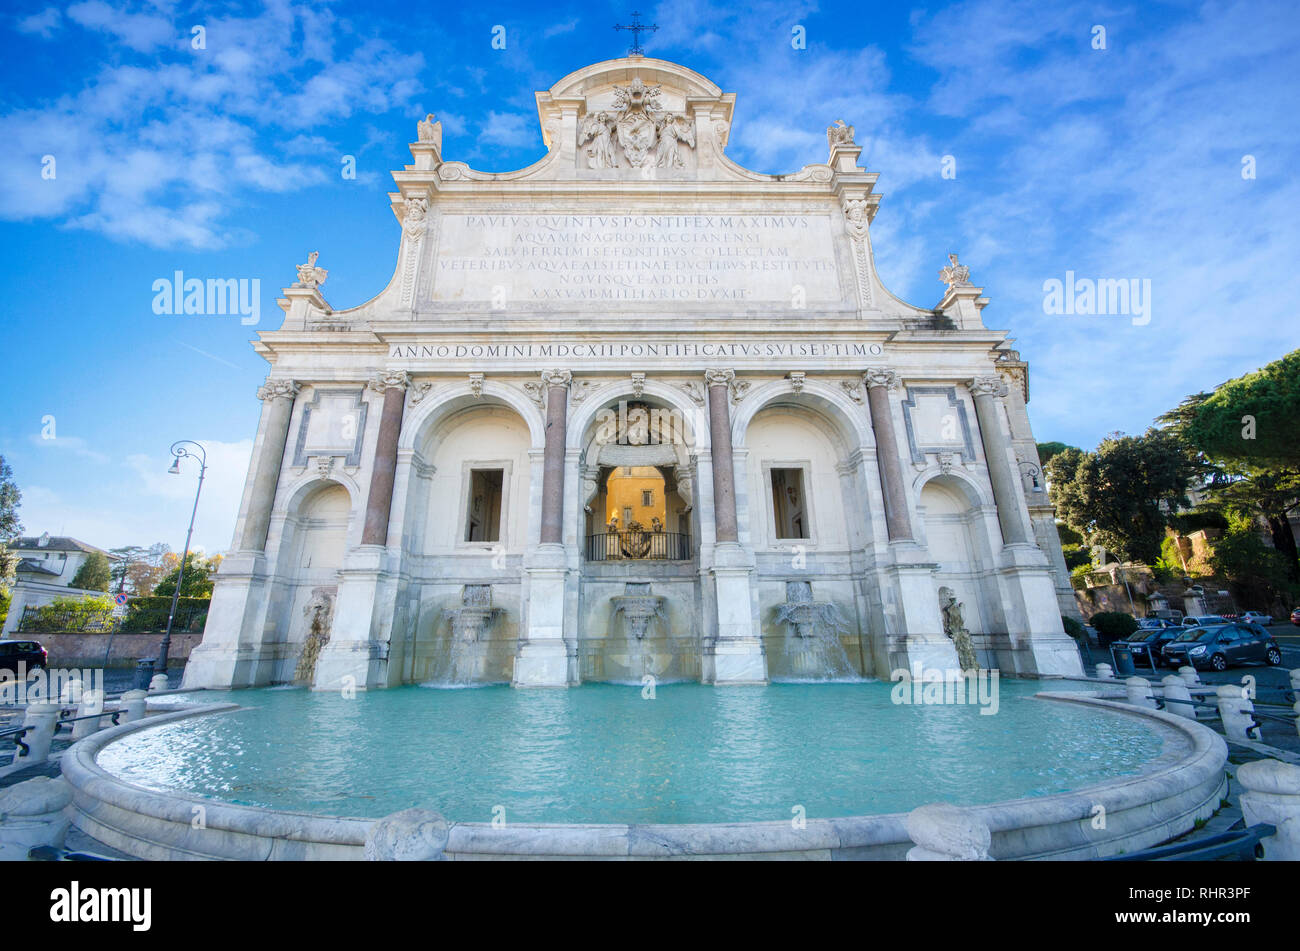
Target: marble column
x,y
379,502
986,391
735,655
277,398
544,655
724,470
557,395
889,461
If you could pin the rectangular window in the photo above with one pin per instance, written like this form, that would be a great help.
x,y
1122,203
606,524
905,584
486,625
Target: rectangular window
x,y
647,498
788,507
484,521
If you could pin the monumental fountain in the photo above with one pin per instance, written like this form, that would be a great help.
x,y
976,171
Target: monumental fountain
x,y
464,657
812,646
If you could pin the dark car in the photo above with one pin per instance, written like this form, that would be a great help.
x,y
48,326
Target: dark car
x,y
1146,642
1221,646
29,653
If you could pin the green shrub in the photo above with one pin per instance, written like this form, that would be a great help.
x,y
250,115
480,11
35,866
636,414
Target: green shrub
x,y
77,615
1113,626
1074,629
150,614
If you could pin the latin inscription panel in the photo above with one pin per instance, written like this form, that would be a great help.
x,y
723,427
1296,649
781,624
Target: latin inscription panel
x,y
522,260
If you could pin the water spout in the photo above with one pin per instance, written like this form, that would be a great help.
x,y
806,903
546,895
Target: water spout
x,y
812,642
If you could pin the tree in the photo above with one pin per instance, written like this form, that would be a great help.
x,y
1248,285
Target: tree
x,y
93,575
1251,420
1121,495
1244,433
142,575
198,577
1046,450
10,527
122,559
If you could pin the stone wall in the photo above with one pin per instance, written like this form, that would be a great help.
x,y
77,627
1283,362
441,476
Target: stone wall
x,y
87,650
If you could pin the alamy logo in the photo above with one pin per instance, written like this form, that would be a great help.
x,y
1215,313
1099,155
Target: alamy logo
x,y
43,686
215,297
74,903
640,425
1113,297
924,686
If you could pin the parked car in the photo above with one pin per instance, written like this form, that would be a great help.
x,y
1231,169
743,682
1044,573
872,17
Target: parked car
x,y
1221,646
1202,620
1146,642
1158,623
1257,617
14,653
1295,617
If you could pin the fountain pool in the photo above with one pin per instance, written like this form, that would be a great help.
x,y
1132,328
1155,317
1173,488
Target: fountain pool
x,y
603,754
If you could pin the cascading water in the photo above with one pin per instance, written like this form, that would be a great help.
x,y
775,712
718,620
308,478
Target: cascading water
x,y
466,659
813,649
639,607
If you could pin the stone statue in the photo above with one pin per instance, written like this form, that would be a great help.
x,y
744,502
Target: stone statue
x,y
597,130
675,128
429,130
320,613
956,629
839,134
954,273
309,275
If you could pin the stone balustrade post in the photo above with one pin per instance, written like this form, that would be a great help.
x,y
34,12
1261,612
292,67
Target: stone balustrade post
x,y
1189,675
40,720
947,833
135,704
1139,693
1175,690
1105,672
1272,796
92,702
1235,709
33,813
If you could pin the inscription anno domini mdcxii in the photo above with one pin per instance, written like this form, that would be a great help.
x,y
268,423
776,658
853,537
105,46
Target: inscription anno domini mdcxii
x,y
695,257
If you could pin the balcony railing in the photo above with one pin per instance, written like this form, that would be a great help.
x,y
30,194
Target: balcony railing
x,y
639,546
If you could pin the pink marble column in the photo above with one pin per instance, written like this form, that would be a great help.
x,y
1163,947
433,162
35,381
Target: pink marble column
x,y
986,392
557,397
277,397
379,501
889,461
724,471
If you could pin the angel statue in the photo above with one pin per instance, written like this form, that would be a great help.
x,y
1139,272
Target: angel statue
x,y
675,128
596,130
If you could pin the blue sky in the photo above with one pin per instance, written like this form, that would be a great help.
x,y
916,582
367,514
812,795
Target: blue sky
x,y
1123,162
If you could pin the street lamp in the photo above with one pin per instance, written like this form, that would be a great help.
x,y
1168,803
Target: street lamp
x,y
179,452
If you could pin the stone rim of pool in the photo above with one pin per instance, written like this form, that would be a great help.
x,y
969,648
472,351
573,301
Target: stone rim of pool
x,y
1160,802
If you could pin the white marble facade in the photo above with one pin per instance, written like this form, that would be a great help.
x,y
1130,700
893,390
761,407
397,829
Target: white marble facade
x,y
439,446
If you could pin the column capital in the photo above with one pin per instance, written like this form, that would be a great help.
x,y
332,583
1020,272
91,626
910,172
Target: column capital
x,y
389,380
554,378
715,377
880,376
987,386
274,389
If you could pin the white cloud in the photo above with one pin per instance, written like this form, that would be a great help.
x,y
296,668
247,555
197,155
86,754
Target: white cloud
x,y
153,149
44,24
508,129
140,32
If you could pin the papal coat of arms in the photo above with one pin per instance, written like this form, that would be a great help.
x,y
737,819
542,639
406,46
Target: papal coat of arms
x,y
645,134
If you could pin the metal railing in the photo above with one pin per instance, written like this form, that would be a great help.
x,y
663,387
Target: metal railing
x,y
638,546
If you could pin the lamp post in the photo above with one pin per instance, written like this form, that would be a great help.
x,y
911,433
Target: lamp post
x,y
179,452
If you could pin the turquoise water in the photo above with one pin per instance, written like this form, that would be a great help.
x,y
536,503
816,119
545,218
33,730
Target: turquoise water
x,y
601,753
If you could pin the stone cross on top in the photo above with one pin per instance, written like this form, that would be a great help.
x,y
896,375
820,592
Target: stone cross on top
x,y
636,28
